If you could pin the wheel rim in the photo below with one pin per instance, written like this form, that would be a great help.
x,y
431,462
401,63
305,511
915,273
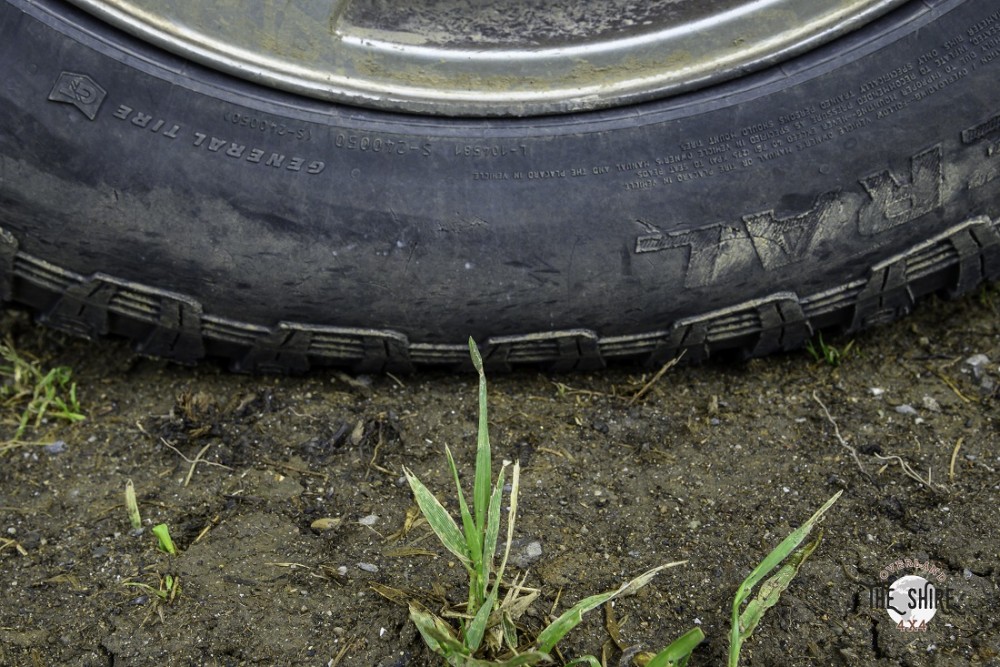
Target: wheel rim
x,y
496,58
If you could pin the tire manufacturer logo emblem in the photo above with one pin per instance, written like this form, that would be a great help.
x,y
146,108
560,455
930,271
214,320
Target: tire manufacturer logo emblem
x,y
79,90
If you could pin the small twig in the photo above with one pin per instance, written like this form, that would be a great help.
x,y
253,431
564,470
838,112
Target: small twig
x,y
194,464
954,455
656,378
291,468
840,439
195,461
555,603
10,445
951,385
372,463
204,531
7,542
564,388
911,473
336,660
561,453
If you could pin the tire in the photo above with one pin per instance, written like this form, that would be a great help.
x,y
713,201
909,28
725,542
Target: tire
x,y
145,196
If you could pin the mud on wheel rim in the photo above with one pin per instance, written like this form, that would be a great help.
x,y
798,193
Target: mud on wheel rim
x,y
145,195
507,57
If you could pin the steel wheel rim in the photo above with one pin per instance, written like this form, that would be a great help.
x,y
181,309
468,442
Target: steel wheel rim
x,y
503,58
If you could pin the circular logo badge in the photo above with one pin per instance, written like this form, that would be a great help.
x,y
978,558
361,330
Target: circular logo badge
x,y
912,601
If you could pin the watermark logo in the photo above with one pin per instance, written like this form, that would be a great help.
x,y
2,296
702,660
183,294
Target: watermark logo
x,y
911,600
79,90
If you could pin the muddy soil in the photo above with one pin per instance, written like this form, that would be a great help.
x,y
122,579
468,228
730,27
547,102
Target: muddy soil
x,y
715,464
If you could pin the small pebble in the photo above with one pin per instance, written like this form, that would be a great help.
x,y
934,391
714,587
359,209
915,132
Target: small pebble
x,y
368,567
57,447
978,363
906,409
368,520
528,555
931,404
876,391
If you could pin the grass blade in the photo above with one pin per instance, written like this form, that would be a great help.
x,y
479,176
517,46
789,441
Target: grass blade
x,y
492,533
132,506
481,487
162,533
472,541
514,486
509,630
677,654
555,631
477,628
772,560
781,551
436,633
439,520
771,589
551,635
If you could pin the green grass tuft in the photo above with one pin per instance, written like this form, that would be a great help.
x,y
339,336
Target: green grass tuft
x,y
36,393
828,354
487,632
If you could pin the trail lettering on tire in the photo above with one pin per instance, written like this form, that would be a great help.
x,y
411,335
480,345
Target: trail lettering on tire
x,y
764,240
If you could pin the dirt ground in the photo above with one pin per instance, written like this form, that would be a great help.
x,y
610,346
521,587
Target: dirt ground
x,y
715,465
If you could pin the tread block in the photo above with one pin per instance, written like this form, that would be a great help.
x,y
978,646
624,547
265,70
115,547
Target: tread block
x,y
978,247
82,309
885,296
293,347
575,349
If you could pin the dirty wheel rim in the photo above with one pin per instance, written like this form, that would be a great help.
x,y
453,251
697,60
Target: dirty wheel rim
x,y
501,58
